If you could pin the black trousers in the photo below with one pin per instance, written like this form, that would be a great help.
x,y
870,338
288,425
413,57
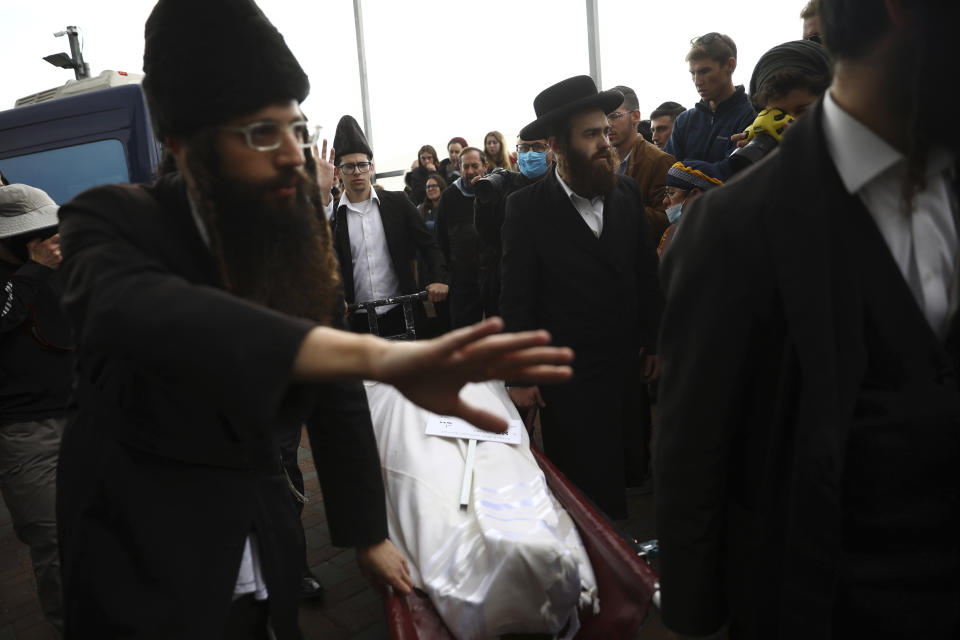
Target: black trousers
x,y
247,620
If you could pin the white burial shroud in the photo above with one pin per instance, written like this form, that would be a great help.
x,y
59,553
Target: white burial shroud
x,y
513,561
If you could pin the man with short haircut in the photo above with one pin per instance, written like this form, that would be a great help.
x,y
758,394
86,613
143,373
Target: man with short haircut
x,y
459,242
806,475
639,159
377,234
578,257
811,21
201,306
703,132
661,122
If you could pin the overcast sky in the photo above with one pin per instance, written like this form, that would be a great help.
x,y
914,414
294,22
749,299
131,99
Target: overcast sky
x,y
436,69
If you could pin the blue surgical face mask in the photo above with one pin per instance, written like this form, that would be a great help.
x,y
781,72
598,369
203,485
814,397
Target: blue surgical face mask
x,y
532,164
673,213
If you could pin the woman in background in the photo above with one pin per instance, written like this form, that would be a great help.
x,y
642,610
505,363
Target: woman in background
x,y
495,152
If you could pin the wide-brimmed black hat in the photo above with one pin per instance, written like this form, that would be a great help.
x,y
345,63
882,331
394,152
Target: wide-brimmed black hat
x,y
208,62
349,139
564,99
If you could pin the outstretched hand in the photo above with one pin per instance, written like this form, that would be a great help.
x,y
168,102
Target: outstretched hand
x,y
432,372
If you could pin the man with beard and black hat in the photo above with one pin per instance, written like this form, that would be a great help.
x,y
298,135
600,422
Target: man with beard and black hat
x,y
198,305
806,471
579,259
377,234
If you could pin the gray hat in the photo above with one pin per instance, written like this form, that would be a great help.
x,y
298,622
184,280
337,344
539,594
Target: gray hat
x,y
24,209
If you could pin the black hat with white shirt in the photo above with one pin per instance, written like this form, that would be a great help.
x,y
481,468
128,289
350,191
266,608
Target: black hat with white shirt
x,y
349,139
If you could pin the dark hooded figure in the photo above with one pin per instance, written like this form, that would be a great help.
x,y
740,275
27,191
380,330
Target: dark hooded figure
x,y
199,305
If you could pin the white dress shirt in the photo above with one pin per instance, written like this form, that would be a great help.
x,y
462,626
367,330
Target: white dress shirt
x,y
590,210
923,242
373,274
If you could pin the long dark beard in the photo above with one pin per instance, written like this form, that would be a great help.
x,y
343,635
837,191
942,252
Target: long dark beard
x,y
588,178
276,253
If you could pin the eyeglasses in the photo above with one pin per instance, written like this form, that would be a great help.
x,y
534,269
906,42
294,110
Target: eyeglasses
x,y
539,147
351,168
267,135
616,115
673,192
433,186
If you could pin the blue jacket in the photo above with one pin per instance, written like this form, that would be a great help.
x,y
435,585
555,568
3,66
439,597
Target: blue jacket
x,y
697,131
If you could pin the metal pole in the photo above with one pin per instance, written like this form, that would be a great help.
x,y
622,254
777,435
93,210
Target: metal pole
x,y
81,69
362,59
593,41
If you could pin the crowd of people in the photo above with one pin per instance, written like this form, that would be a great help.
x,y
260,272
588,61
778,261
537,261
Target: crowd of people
x,y
774,269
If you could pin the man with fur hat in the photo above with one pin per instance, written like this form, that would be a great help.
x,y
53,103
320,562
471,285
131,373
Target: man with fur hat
x,y
199,305
36,361
377,235
579,259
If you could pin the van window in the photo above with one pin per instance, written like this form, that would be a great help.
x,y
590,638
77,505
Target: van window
x,y
65,172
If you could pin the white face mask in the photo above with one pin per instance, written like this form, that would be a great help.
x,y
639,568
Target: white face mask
x,y
673,213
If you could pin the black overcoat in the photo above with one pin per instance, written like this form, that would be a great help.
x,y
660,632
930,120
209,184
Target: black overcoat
x,y
599,296
406,234
170,459
768,351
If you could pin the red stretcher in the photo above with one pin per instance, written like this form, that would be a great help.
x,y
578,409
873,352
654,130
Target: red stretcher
x,y
626,585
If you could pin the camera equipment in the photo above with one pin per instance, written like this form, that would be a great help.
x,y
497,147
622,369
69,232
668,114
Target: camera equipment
x,y
491,185
763,136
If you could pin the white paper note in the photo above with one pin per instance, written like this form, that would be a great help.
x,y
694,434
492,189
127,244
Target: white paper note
x,y
448,427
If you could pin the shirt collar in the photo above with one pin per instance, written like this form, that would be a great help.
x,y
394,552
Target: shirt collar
x,y
356,206
570,193
201,227
859,154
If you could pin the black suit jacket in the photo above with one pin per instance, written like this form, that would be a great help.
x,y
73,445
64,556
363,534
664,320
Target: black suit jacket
x,y
764,355
171,458
600,295
406,234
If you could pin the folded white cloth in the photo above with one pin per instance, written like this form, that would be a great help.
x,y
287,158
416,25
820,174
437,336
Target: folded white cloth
x,y
513,562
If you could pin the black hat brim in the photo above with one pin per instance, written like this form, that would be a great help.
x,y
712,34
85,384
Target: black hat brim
x,y
540,128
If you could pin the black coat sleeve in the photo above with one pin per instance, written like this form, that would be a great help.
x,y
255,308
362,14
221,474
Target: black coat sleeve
x,y
126,303
649,293
709,325
520,267
348,465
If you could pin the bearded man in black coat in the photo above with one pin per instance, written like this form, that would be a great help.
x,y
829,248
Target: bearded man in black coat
x,y
198,305
579,259
806,473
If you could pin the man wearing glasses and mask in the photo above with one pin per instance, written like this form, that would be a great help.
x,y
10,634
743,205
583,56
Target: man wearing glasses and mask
x,y
201,307
534,159
377,234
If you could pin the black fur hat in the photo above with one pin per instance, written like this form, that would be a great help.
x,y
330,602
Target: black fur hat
x,y
349,139
207,62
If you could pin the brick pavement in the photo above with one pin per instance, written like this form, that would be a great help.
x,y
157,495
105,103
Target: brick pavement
x,y
351,609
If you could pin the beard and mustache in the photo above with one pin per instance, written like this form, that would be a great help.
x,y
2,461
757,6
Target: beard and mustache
x,y
273,251
587,177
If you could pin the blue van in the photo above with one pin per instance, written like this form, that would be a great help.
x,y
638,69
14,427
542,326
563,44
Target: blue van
x,y
69,144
